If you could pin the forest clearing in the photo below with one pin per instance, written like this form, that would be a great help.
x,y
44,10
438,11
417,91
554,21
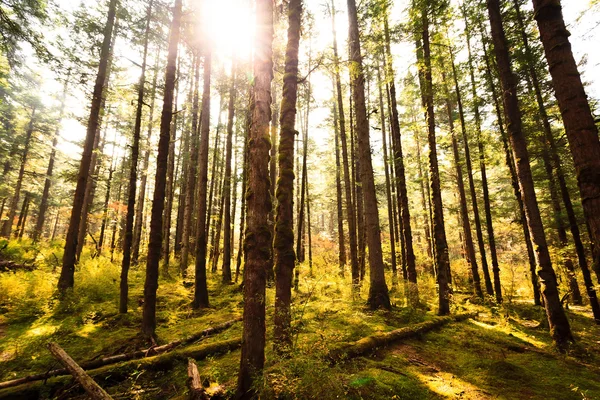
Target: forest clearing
x,y
299,199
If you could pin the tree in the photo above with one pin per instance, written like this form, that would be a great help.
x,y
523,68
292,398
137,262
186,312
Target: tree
x,y
135,150
378,291
158,204
66,279
285,257
581,130
258,240
557,319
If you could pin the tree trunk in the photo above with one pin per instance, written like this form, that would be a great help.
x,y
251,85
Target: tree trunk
x,y
258,235
350,209
497,288
190,193
339,198
139,211
39,226
557,319
284,220
227,185
378,291
14,202
469,246
398,162
388,184
158,201
553,55
135,150
200,288
439,233
513,174
243,207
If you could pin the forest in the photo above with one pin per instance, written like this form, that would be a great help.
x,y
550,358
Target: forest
x,y
299,199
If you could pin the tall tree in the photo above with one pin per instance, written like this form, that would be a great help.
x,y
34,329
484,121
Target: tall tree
x,y
439,232
557,319
67,279
378,291
350,204
258,235
284,221
158,203
581,130
133,176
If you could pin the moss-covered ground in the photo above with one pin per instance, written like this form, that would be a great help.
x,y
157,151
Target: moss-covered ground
x,y
505,352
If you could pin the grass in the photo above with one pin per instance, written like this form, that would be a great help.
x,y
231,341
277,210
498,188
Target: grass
x,y
504,353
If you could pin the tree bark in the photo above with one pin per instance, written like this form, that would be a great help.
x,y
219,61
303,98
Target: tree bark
x,y
258,240
557,319
398,162
135,150
227,184
158,201
439,233
378,291
66,279
284,220
14,202
200,288
350,209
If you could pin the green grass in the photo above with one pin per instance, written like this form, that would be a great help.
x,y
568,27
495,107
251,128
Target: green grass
x,y
504,353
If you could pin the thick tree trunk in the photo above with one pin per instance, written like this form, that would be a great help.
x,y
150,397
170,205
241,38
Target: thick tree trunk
x,y
378,291
350,209
158,201
241,251
581,130
557,319
66,279
258,235
200,288
284,221
439,233
14,202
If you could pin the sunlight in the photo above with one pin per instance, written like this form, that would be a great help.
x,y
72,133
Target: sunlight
x,y
230,27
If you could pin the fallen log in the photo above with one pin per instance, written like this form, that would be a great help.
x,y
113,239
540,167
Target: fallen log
x,y
375,341
11,266
91,387
123,357
162,362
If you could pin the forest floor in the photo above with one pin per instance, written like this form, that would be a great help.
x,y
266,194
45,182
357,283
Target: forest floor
x,y
504,352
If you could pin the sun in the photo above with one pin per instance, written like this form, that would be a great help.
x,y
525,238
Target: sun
x,y
230,26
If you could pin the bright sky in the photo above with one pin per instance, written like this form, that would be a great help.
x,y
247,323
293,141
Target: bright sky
x,y
230,25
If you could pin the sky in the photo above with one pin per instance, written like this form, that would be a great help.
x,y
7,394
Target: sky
x,y
231,20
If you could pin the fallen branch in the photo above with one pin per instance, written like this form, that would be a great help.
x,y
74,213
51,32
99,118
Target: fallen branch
x,y
11,266
123,357
91,387
370,343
